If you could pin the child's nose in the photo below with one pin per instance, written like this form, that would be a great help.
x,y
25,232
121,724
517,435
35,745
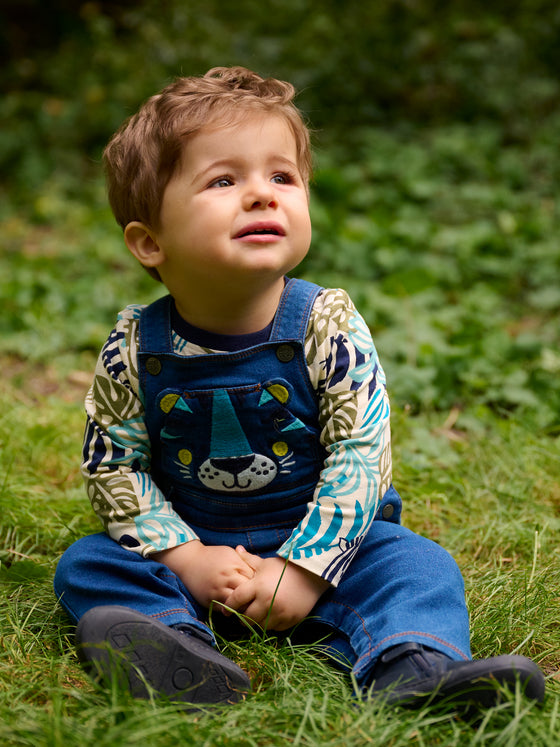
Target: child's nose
x,y
259,194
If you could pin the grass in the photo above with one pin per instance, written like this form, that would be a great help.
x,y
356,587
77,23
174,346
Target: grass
x,y
445,233
447,242
486,488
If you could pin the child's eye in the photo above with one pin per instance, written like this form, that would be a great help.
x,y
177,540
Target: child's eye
x,y
282,178
222,181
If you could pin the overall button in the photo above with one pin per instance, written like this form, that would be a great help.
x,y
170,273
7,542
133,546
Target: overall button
x,y
285,353
153,366
387,511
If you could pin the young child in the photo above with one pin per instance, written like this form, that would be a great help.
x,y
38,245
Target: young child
x,y
237,448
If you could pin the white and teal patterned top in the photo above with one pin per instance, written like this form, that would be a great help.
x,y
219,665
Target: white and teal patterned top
x,y
355,432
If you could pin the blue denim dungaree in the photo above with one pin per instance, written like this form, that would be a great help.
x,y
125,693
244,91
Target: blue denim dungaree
x,y
235,436
235,448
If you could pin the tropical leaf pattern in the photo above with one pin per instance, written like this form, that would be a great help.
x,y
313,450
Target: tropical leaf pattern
x,y
354,415
354,420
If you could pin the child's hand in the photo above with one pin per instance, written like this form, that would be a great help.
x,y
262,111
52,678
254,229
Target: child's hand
x,y
210,573
291,600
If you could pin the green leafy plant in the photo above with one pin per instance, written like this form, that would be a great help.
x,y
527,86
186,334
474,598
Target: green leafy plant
x,y
434,204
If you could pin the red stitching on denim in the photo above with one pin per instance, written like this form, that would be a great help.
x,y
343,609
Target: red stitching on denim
x,y
353,611
414,632
371,648
172,612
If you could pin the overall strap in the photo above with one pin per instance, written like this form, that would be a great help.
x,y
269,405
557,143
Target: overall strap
x,y
155,327
294,309
290,322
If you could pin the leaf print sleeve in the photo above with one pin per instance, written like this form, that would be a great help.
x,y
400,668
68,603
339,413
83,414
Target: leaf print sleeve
x,y
116,452
354,418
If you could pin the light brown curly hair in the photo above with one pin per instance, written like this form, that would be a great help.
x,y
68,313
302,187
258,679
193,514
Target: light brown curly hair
x,y
145,152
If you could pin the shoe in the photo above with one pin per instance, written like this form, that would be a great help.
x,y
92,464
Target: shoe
x,y
410,674
146,656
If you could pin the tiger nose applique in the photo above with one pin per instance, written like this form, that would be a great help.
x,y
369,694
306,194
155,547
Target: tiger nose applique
x,y
232,465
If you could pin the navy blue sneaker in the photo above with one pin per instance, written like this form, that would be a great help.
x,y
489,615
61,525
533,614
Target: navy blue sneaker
x,y
146,656
411,674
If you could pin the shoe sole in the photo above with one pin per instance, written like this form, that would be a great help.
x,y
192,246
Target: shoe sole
x,y
474,682
145,656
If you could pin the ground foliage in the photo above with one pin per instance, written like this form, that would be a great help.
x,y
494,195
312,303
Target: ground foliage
x,y
435,193
73,70
434,204
508,551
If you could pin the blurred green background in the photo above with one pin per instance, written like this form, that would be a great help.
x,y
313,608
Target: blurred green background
x,y
437,140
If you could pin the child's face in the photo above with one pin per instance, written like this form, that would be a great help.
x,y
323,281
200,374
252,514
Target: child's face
x,y
237,208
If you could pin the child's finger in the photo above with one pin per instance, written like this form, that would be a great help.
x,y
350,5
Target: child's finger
x,y
257,612
253,561
240,597
246,571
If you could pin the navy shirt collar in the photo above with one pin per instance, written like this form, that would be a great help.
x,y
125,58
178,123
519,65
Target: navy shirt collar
x,y
229,343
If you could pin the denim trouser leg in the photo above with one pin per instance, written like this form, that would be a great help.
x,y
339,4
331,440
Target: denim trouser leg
x,y
96,571
399,587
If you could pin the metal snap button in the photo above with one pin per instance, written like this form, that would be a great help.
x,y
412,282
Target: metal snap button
x,y
388,511
285,353
153,366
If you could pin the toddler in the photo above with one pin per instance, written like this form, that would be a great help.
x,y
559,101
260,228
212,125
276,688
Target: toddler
x,y
237,448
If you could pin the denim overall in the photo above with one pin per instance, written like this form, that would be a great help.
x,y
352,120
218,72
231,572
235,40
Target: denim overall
x,y
235,436
235,449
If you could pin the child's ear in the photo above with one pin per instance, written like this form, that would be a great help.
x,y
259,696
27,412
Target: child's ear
x,y
142,242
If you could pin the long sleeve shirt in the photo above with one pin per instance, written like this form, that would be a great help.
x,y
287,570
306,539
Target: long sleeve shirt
x,y
354,430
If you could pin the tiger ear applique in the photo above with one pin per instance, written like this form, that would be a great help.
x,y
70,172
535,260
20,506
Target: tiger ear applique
x,y
171,401
276,391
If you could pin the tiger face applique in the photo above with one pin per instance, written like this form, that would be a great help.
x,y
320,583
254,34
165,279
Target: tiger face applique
x,y
237,440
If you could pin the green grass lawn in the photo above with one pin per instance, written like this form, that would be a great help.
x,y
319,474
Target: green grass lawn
x,y
447,240
486,488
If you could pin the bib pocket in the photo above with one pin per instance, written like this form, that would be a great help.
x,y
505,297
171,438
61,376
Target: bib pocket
x,y
241,442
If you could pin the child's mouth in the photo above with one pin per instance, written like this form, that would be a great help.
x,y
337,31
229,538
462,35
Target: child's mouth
x,y
260,229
